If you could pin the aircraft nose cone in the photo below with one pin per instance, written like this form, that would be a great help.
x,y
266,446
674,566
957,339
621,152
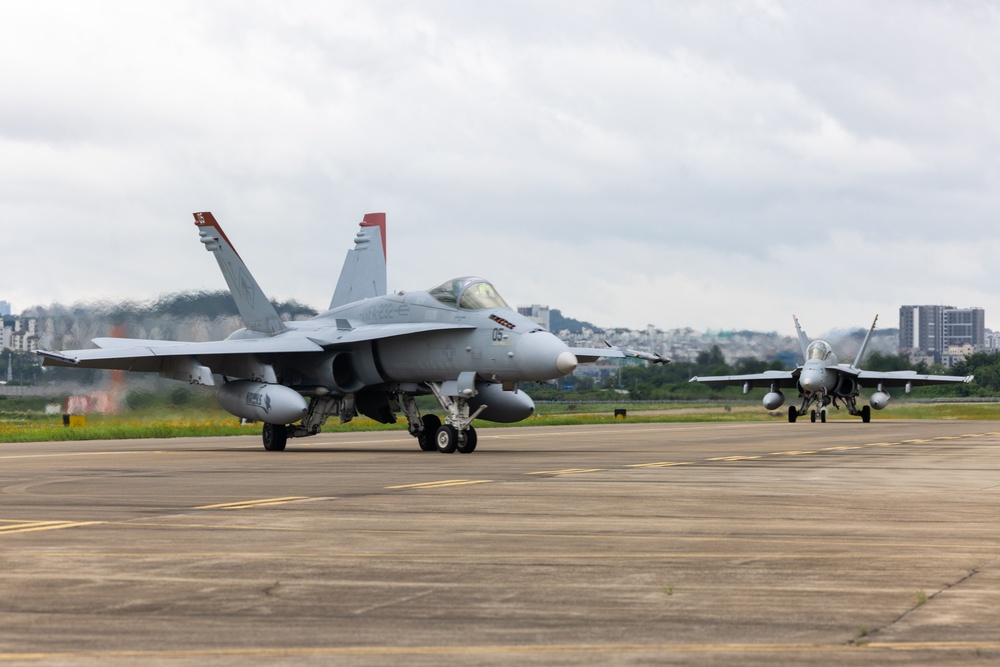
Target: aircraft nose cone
x,y
541,356
566,362
811,380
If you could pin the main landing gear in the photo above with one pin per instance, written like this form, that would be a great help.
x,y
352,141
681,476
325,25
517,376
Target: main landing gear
x,y
794,413
275,437
449,439
852,409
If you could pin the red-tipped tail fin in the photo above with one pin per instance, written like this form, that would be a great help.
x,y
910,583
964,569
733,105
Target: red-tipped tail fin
x,y
257,312
363,273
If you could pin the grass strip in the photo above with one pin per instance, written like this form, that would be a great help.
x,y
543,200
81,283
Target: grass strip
x,y
149,424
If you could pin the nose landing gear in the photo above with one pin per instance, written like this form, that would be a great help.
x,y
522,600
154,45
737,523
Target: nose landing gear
x,y
456,434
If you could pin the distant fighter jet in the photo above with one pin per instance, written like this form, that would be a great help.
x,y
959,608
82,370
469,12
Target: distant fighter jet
x,y
371,353
821,381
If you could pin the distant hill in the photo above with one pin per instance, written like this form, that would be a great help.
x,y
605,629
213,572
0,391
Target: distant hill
x,y
557,323
176,305
213,304
186,316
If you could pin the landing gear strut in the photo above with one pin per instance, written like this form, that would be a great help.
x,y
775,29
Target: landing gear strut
x,y
852,408
457,432
850,402
424,428
432,435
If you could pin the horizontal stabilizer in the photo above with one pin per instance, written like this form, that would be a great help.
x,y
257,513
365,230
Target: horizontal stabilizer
x,y
130,353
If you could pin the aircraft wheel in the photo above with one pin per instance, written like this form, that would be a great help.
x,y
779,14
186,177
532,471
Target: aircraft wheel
x,y
275,437
812,416
471,439
793,414
446,438
866,414
822,416
426,438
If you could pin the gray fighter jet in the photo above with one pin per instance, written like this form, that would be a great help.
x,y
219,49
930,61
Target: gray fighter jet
x,y
371,353
821,381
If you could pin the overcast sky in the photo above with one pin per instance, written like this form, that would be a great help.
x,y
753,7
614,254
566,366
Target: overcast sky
x,y
718,165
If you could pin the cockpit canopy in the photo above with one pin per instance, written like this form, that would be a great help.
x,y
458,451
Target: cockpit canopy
x,y
819,349
468,293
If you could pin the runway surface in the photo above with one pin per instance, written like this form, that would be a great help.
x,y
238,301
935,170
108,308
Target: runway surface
x,y
749,543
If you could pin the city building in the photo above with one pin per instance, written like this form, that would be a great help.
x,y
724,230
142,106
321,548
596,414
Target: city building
x,y
539,314
956,353
19,334
934,333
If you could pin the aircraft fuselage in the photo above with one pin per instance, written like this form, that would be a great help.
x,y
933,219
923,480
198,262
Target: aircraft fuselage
x,y
497,344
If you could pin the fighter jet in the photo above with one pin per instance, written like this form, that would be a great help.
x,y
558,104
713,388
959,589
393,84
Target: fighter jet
x,y
370,353
821,381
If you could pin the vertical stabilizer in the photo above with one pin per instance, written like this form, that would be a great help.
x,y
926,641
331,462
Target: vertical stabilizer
x,y
257,312
363,274
803,339
864,345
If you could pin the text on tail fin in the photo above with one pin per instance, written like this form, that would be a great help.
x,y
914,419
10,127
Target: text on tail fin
x,y
256,311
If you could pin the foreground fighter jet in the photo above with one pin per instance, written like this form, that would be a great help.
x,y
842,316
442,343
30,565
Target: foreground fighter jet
x,y
821,381
371,353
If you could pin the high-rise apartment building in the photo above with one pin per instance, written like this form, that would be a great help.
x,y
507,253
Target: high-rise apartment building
x,y
540,314
928,331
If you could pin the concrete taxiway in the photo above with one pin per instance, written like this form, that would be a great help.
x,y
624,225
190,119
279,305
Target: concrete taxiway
x,y
756,543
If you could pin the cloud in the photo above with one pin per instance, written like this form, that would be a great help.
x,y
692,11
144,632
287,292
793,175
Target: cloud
x,y
711,165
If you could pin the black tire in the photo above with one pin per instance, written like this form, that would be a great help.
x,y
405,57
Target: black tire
x,y
471,439
866,414
812,416
822,416
793,414
446,438
426,438
275,437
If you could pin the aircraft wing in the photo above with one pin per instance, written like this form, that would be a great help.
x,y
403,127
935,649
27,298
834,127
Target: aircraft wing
x,y
912,378
784,379
137,354
146,355
586,355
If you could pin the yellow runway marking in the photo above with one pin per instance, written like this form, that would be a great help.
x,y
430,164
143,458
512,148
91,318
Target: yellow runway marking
x,y
246,504
441,484
840,448
34,526
793,452
732,458
62,454
661,464
509,649
567,471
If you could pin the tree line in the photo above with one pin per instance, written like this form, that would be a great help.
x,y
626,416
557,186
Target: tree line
x,y
671,381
